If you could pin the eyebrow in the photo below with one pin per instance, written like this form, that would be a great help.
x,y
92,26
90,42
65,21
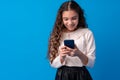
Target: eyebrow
x,y
74,16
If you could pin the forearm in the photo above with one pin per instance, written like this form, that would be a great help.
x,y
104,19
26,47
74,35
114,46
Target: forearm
x,y
62,59
56,62
82,57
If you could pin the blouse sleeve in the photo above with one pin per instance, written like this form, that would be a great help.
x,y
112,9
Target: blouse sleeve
x,y
56,62
90,42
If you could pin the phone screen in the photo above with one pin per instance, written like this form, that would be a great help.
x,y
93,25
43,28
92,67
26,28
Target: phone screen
x,y
69,43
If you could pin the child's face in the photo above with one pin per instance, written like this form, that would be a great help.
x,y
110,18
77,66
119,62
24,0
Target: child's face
x,y
70,19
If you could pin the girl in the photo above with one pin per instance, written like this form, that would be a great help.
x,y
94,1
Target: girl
x,y
71,63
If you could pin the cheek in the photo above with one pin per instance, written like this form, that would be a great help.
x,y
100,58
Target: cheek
x,y
65,22
76,23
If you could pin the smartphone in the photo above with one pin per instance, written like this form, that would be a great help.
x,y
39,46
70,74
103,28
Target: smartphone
x,y
69,43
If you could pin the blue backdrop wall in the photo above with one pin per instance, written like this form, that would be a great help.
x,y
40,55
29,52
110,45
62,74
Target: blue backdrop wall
x,y
25,26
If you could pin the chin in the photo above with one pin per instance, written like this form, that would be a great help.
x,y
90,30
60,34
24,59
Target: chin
x,y
71,29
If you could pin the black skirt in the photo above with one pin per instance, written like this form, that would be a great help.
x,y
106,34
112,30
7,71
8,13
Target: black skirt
x,y
72,73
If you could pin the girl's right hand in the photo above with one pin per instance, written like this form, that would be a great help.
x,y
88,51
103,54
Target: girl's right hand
x,y
63,52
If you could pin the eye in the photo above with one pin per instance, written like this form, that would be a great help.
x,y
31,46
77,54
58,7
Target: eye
x,y
74,18
65,19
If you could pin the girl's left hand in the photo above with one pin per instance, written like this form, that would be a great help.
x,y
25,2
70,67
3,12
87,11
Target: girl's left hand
x,y
73,52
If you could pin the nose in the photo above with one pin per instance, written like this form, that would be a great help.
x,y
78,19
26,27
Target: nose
x,y
70,22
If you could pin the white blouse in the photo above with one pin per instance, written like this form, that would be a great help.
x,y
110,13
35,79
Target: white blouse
x,y
85,42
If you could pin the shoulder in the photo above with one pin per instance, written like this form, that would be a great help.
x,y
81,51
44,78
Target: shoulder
x,y
86,32
83,31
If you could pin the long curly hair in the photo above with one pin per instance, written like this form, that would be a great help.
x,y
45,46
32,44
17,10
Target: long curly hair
x,y
55,36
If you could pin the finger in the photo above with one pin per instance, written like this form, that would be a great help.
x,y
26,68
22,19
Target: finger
x,y
70,49
63,47
62,54
65,52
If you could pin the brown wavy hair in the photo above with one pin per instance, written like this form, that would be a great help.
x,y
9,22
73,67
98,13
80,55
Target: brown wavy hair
x,y
55,36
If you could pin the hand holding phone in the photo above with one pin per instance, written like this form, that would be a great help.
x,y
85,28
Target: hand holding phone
x,y
69,43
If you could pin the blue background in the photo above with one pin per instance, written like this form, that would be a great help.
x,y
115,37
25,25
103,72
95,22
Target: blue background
x,y
25,26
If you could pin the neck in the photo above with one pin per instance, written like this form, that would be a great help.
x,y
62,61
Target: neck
x,y
66,30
